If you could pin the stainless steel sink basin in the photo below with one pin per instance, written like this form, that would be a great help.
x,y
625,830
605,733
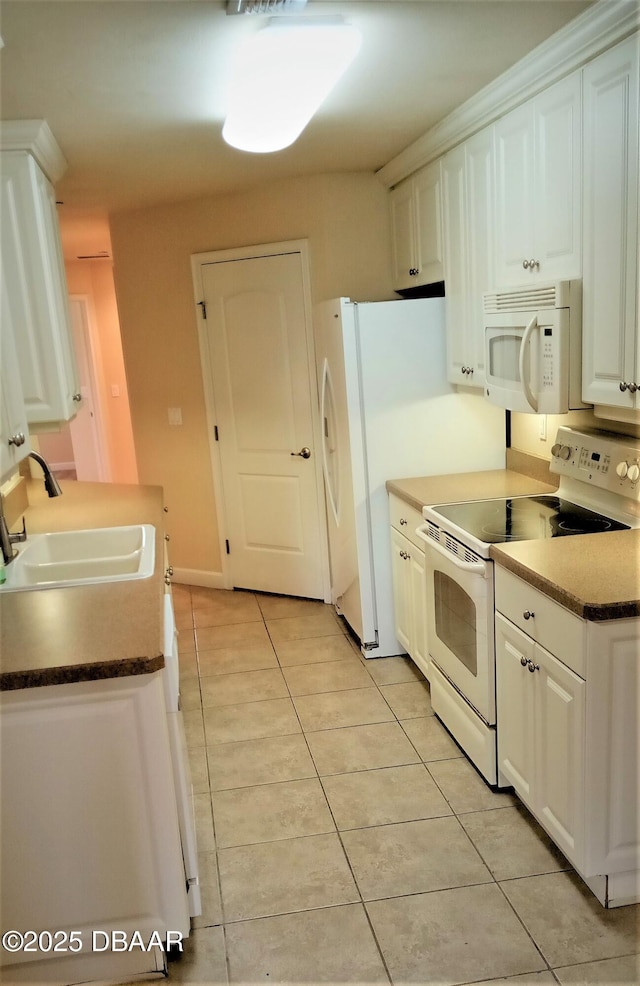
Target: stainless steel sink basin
x,y
107,554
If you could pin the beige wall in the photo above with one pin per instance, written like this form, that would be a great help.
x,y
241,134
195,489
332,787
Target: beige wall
x,y
94,278
525,429
345,220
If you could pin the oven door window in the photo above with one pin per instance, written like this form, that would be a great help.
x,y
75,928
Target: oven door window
x,y
455,619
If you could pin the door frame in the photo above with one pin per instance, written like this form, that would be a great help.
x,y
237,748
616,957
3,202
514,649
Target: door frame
x,y
258,252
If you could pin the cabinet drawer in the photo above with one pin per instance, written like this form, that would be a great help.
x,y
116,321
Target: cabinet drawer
x,y
553,627
405,519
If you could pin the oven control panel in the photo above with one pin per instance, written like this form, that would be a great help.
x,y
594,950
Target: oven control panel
x,y
600,458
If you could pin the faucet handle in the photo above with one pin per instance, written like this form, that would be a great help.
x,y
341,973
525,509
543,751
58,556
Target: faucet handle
x,y
20,536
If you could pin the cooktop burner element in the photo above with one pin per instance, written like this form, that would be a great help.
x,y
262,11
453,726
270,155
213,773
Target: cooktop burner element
x,y
525,518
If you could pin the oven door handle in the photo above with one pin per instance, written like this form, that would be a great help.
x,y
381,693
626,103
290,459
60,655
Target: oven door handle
x,y
480,567
525,364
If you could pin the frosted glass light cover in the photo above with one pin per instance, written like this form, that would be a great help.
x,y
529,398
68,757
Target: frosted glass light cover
x,y
281,76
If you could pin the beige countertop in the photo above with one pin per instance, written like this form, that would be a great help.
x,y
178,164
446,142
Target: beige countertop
x,y
79,633
430,490
596,576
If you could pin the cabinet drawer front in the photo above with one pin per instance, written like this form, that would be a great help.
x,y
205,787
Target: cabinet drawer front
x,y
555,628
405,519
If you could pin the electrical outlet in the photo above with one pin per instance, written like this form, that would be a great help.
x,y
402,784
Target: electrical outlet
x,y
175,415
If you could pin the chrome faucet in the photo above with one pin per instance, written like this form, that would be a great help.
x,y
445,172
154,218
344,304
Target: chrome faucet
x,y
7,540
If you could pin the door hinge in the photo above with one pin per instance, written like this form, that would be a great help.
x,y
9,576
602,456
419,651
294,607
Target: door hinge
x,y
215,433
203,305
228,548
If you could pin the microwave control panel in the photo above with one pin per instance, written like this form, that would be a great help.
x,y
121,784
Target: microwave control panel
x,y
603,459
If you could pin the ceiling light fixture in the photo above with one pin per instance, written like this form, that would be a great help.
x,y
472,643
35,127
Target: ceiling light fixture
x,y
281,76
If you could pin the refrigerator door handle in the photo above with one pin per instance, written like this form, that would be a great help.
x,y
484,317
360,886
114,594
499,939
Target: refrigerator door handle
x,y
328,413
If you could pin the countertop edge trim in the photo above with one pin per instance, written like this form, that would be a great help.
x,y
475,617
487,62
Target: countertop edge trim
x,y
68,674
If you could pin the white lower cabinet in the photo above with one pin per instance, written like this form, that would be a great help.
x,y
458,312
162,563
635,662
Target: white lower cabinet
x,y
90,837
409,583
541,706
568,736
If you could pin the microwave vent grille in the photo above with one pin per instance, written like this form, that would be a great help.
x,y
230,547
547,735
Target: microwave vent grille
x,y
526,299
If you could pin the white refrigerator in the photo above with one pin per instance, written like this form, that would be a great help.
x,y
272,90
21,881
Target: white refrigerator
x,y
387,412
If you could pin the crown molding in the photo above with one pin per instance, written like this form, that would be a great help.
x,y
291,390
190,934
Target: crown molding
x,y
597,29
35,137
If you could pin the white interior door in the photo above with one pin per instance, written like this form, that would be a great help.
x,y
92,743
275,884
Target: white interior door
x,y
86,437
258,346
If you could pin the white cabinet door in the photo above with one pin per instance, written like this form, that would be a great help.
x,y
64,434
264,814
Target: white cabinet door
x,y
403,235
35,280
416,229
401,578
560,752
455,232
538,188
611,349
467,197
14,429
515,710
419,647
541,735
428,224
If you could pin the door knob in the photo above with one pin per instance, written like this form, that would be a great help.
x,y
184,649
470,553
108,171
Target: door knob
x,y
305,453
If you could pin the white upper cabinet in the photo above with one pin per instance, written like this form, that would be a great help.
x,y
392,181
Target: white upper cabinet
x,y
468,211
611,348
33,272
416,229
538,188
14,429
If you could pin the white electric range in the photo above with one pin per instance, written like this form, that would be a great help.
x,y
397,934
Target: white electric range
x,y
599,491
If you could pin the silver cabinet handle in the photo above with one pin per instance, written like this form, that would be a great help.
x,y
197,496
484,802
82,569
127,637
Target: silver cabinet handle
x,y
528,614
531,264
304,453
414,271
167,537
623,386
77,397
403,522
633,387
169,570
524,661
533,667
167,580
17,439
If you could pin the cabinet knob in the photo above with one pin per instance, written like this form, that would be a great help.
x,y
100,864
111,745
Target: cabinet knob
x,y
169,570
167,580
413,271
17,439
531,264
464,369
623,386
77,397
524,661
167,537
528,614
403,522
633,387
533,667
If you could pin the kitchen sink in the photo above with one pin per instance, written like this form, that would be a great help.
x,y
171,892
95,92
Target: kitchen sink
x,y
106,554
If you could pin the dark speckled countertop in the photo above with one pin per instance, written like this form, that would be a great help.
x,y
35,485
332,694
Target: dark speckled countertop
x,y
81,633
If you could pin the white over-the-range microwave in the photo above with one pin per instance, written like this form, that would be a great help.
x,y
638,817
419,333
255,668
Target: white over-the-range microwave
x,y
533,347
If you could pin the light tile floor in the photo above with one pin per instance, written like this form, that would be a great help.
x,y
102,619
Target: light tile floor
x,y
344,837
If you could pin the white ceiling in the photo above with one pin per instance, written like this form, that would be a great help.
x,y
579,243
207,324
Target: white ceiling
x,y
134,90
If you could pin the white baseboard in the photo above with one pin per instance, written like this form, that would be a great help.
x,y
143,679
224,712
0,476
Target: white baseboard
x,y
195,576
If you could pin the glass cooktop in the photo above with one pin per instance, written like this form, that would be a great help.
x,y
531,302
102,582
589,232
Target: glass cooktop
x,y
525,518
